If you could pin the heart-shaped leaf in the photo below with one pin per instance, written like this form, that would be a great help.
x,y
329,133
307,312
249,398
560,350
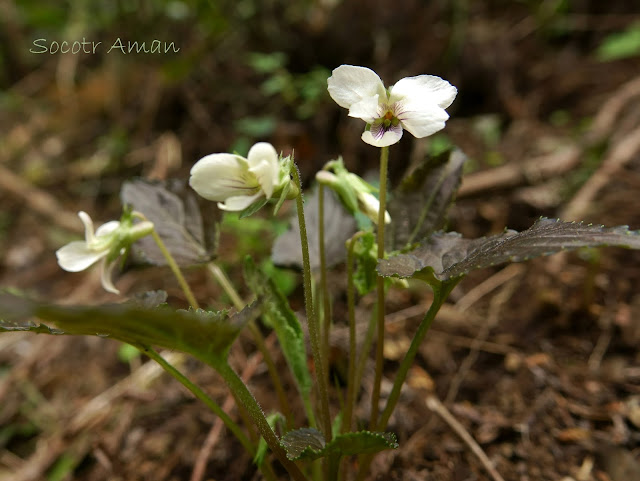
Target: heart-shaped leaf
x,y
309,443
419,205
207,335
338,227
186,225
302,441
448,255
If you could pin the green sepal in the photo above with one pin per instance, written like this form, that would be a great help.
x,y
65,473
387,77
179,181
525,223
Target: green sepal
x,y
346,184
253,208
289,190
284,195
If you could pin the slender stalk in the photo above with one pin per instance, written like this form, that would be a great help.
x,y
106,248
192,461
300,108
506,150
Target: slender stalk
x,y
441,292
258,338
366,348
365,459
245,398
326,303
201,395
314,331
351,376
226,285
375,395
350,401
440,296
175,269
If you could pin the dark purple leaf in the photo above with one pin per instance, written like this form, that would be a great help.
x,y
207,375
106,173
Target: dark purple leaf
x,y
448,255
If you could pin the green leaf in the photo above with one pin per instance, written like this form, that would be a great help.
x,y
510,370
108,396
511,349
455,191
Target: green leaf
x,y
63,467
620,45
279,316
187,226
266,62
206,335
262,448
366,257
127,353
419,205
448,255
256,127
309,443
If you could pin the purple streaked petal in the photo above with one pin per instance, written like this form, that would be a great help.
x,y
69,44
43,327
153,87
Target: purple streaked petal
x,y
378,136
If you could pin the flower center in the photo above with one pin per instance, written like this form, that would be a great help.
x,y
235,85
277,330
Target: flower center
x,y
389,119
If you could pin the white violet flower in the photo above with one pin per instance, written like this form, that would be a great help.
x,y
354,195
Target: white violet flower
x,y
414,103
235,182
106,244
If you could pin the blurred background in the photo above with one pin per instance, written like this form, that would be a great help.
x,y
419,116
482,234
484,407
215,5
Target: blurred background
x,y
548,113
219,75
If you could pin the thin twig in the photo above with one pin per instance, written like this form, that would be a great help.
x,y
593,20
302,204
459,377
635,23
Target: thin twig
x,y
101,405
497,302
434,404
619,155
39,201
558,162
487,286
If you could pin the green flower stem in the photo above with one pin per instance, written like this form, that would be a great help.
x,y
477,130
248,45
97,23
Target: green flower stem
x,y
258,338
366,348
441,291
351,301
351,375
246,399
440,294
314,332
222,279
175,269
326,303
375,395
201,395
